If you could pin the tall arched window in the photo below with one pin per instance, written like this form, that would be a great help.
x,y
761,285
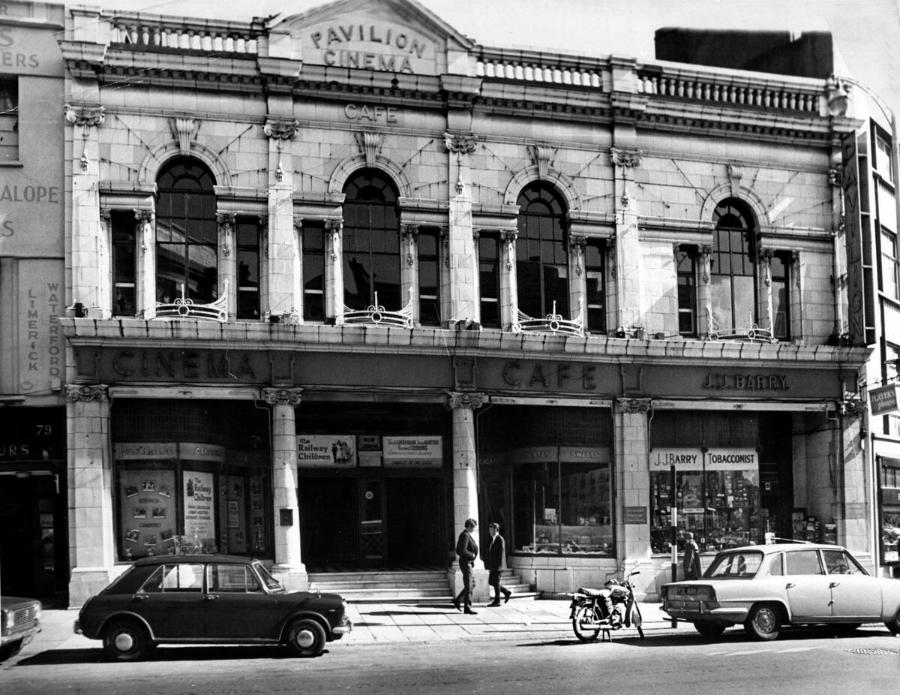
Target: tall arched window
x,y
733,272
542,262
371,242
186,232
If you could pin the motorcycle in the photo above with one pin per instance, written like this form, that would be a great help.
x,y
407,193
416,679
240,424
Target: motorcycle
x,y
608,609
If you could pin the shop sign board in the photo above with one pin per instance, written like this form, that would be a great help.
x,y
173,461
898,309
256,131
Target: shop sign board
x,y
635,515
883,400
693,459
413,452
201,452
199,516
143,451
326,450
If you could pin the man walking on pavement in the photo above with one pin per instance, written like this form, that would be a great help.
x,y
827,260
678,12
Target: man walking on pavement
x,y
496,561
467,549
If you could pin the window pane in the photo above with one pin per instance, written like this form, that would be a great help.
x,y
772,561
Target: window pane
x,y
585,511
803,562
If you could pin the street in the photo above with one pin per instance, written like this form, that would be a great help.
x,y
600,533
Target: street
x,y
801,661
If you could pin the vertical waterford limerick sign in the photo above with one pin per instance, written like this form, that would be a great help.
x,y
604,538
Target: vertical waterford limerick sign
x,y
853,238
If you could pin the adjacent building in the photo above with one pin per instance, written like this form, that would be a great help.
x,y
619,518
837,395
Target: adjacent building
x,y
343,279
33,478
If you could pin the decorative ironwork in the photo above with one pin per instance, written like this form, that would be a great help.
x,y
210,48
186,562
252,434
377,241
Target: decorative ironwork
x,y
376,315
185,308
551,323
751,332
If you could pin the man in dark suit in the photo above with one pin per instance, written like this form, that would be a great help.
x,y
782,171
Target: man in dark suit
x,y
467,549
496,561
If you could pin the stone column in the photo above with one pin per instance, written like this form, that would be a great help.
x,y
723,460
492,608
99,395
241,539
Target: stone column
x,y
289,567
850,509
91,482
465,484
704,293
227,259
578,278
106,291
509,283
145,267
85,225
334,270
629,307
795,296
632,479
409,269
461,257
283,255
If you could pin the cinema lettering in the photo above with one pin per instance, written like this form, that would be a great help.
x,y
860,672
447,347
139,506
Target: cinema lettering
x,y
372,46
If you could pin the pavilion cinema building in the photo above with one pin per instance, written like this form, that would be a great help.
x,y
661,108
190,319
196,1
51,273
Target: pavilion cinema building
x,y
343,279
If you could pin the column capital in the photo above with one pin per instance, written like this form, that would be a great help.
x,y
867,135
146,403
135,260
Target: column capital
x,y
626,157
281,128
632,405
142,215
225,218
274,396
458,143
83,393
472,400
84,115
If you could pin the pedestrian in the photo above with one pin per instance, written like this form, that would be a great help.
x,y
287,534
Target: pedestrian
x,y
467,549
691,557
496,561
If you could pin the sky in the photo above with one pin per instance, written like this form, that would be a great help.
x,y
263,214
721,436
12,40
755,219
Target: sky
x,y
866,32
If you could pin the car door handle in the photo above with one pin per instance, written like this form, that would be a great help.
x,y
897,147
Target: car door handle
x,y
140,597
210,597
833,585
789,585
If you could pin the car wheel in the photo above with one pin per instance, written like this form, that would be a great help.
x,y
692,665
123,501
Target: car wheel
x,y
894,625
8,651
709,630
764,622
306,637
126,640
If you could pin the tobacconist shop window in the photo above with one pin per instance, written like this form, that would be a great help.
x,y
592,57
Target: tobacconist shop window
x,y
9,120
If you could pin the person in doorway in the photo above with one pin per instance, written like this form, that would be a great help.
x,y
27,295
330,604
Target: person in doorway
x,y
496,561
691,557
467,550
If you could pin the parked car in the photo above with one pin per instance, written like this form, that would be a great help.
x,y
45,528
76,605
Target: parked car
x,y
21,621
208,599
766,587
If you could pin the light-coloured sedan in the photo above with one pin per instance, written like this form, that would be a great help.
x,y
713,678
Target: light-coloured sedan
x,y
766,587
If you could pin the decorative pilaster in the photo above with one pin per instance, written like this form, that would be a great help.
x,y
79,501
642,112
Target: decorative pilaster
x,y
86,120
334,270
409,269
627,251
796,296
145,267
284,293
509,282
227,261
288,566
465,457
91,518
704,290
577,277
765,308
632,476
461,257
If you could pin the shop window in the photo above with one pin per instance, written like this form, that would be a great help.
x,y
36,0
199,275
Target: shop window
x,y
686,268
595,274
124,249
733,273
186,233
889,281
780,266
542,262
371,242
247,233
489,279
562,508
313,233
429,278
890,509
9,120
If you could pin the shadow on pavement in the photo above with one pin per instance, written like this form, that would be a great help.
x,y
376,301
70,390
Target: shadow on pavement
x,y
163,653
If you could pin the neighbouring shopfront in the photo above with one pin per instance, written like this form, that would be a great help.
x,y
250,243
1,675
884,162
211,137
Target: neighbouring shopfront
x,y
889,511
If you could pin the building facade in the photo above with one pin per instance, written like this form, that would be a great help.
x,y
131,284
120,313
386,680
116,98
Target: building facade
x,y
347,278
33,480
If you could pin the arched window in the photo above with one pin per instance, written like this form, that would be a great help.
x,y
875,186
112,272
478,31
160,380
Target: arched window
x,y
542,262
371,242
186,232
733,272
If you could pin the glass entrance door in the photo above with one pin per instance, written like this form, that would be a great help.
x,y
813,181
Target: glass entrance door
x,y
371,522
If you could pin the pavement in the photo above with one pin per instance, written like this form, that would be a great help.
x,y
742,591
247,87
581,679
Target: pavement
x,y
411,622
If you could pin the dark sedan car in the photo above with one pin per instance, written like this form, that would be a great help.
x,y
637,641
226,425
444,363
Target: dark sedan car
x,y
208,599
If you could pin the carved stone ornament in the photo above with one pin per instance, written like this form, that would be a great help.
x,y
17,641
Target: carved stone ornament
x,y
735,173
576,248
291,397
369,145
625,157
509,238
410,233
835,176
84,393
281,129
467,399
540,156
633,405
85,116
183,132
460,144
226,221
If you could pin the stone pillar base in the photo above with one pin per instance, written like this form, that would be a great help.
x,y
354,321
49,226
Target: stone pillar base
x,y
481,591
84,582
291,578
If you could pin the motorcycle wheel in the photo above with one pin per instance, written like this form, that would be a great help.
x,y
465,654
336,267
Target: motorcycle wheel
x,y
638,620
586,613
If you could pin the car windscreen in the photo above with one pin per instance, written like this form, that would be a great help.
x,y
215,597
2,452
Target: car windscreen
x,y
734,565
271,583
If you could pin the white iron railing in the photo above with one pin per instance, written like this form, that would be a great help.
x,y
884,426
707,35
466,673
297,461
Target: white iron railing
x,y
376,315
551,323
185,308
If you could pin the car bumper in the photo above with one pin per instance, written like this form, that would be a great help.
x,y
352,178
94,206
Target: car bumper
x,y
24,636
345,628
693,611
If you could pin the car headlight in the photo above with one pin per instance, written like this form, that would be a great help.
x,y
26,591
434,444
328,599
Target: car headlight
x,y
8,621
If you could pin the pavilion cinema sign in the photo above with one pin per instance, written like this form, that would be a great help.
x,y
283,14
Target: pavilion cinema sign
x,y
370,45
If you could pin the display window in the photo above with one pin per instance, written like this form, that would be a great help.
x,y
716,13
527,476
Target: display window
x,y
184,497
715,496
890,509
